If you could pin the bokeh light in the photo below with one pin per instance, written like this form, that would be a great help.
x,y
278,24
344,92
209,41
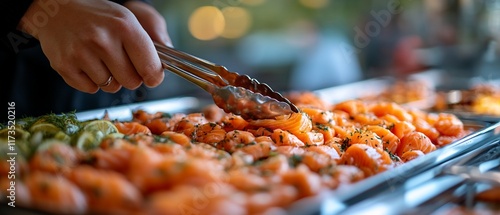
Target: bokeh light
x,y
238,21
316,4
252,2
206,23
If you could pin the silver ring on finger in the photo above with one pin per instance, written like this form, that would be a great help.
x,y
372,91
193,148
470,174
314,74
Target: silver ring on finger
x,y
107,83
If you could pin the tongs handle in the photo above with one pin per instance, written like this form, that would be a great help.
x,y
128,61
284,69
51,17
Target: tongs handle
x,y
482,173
224,77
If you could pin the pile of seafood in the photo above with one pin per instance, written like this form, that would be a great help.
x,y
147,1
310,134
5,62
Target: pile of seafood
x,y
404,92
211,162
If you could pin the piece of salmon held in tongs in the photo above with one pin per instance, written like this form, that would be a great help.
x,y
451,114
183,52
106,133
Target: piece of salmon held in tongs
x,y
234,93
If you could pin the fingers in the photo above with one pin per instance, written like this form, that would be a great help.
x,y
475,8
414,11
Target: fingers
x,y
79,80
118,62
123,70
147,63
128,60
98,72
89,74
158,32
134,59
144,58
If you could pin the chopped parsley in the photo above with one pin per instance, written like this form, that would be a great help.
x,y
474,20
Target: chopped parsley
x,y
322,127
295,160
161,139
166,115
345,144
392,155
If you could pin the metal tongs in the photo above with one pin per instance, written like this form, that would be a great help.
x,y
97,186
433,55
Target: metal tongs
x,y
482,173
232,92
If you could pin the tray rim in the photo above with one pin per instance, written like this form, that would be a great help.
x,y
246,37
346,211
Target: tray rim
x,y
429,176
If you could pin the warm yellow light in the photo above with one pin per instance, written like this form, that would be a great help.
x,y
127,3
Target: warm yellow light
x,y
238,22
252,2
206,23
316,4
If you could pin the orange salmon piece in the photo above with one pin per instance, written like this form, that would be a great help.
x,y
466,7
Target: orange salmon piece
x,y
57,158
107,191
234,122
449,125
178,138
306,182
423,126
415,141
362,136
369,159
55,194
129,128
385,108
411,155
157,126
210,133
389,140
295,123
285,138
402,128
352,107
320,116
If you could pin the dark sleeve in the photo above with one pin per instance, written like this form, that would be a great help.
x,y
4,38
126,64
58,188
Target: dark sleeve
x,y
11,13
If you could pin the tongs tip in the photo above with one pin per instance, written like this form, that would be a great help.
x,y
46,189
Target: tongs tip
x,y
250,105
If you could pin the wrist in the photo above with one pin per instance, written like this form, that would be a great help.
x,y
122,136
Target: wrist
x,y
34,18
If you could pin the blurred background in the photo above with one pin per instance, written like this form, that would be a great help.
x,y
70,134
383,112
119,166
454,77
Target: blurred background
x,y
314,44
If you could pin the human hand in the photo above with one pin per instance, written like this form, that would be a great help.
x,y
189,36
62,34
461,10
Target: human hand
x,y
87,41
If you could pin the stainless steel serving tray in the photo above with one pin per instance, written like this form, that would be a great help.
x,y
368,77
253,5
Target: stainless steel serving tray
x,y
439,80
379,190
347,198
478,117
352,198
424,191
331,202
344,199
124,112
